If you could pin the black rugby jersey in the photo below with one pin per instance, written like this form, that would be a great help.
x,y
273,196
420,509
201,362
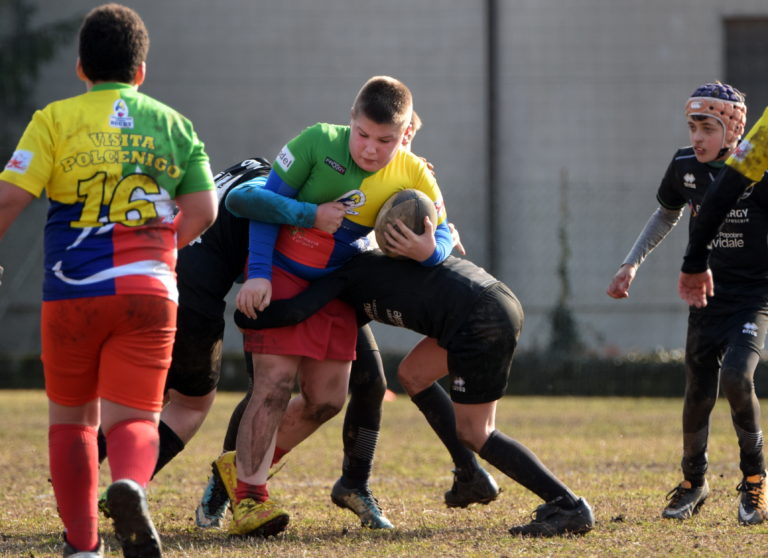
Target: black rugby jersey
x,y
739,257
209,266
434,301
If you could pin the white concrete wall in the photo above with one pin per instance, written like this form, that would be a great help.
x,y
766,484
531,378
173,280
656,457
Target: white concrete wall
x,y
590,95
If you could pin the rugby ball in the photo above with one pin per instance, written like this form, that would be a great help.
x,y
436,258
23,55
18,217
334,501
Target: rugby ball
x,y
410,206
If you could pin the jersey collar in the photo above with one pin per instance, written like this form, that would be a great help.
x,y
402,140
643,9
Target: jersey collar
x,y
107,85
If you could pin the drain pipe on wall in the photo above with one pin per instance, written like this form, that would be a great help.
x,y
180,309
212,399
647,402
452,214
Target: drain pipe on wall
x,y
491,86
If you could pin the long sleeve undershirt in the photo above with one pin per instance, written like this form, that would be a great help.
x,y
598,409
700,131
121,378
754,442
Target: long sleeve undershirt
x,y
656,229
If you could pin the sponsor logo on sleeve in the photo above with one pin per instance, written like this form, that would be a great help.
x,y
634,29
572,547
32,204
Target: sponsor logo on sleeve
x,y
19,161
285,158
120,117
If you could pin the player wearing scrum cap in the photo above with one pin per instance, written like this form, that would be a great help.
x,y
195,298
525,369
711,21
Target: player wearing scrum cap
x,y
724,339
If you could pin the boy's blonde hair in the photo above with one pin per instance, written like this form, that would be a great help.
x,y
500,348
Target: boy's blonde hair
x,y
385,100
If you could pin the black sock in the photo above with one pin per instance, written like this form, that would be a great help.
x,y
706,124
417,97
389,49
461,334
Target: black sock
x,y
230,438
519,463
101,440
362,420
170,446
437,408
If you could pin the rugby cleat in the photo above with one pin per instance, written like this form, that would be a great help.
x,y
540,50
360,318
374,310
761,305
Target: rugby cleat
x,y
550,520
753,508
362,503
225,469
685,500
257,519
213,505
134,529
479,489
70,551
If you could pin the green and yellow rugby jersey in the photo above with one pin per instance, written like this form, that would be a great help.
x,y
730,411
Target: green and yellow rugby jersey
x,y
111,161
317,166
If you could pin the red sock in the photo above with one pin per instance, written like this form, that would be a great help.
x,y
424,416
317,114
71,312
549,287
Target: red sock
x,y
257,492
279,453
132,447
74,462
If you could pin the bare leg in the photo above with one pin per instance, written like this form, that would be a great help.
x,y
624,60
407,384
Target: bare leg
x,y
324,387
184,414
274,377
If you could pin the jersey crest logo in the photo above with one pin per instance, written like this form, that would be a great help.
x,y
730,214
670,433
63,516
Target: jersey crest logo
x,y
19,161
338,167
120,117
352,200
285,158
689,180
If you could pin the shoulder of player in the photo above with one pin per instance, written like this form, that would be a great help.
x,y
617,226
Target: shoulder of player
x,y
323,131
684,154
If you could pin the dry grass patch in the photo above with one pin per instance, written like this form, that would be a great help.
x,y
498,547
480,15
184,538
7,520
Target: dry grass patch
x,y
621,454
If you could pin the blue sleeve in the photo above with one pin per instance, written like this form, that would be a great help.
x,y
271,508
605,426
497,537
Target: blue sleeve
x,y
270,200
261,244
444,240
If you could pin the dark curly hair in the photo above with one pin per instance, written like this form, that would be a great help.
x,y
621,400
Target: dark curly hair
x,y
113,43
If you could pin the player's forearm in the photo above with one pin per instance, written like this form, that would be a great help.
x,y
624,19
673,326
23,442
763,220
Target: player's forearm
x,y
197,212
721,196
251,200
444,245
290,311
13,200
655,231
261,245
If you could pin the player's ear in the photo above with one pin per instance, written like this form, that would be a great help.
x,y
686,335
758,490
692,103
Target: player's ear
x,y
79,70
141,74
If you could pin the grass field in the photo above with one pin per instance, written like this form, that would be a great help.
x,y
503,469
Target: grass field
x,y
621,454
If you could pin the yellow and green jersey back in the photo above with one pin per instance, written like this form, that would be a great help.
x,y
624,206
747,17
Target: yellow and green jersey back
x,y
111,162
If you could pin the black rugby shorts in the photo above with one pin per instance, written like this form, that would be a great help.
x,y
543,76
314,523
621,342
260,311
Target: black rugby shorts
x,y
196,363
480,353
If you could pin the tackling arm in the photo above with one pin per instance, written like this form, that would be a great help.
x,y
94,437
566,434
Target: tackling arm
x,y
291,311
721,196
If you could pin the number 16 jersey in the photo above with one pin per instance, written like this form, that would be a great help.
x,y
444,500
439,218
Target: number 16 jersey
x,y
111,162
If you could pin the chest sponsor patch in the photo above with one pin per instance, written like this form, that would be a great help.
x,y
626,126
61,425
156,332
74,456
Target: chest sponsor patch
x,y
338,167
19,161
